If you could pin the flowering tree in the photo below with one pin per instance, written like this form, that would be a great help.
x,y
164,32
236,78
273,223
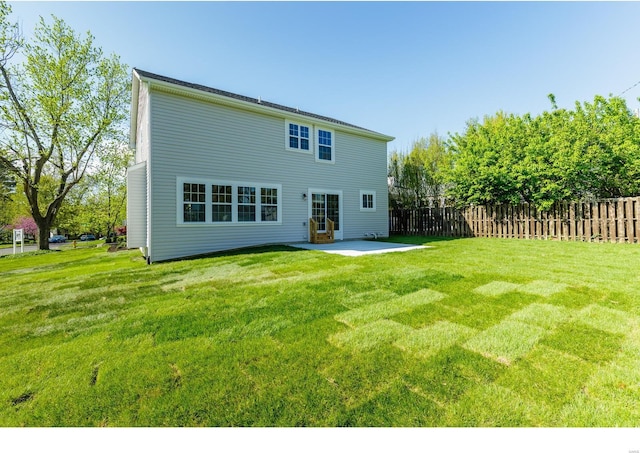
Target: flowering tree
x,y
27,224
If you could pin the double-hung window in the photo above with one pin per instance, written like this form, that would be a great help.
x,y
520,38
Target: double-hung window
x,y
298,137
221,203
325,149
193,202
269,204
246,204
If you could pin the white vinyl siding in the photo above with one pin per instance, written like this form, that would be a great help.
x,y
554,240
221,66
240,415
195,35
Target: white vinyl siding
x,y
204,142
137,206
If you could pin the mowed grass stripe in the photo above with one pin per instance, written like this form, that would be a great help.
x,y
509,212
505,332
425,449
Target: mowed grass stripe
x,y
506,341
496,288
371,335
543,315
537,287
542,288
607,319
430,340
384,310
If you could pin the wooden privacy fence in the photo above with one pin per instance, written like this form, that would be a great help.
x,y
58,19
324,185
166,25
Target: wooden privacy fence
x,y
612,220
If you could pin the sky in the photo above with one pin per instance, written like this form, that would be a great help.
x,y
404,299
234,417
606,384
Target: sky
x,y
405,69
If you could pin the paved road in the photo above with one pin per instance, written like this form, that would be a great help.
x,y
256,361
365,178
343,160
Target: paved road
x,y
27,248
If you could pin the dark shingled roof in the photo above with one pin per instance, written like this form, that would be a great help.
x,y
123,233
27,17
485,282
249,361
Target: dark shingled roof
x,y
239,97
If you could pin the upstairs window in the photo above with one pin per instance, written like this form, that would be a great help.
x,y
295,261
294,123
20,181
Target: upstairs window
x,y
193,202
298,137
325,148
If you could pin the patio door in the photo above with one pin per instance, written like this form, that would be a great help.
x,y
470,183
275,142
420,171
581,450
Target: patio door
x,y
323,205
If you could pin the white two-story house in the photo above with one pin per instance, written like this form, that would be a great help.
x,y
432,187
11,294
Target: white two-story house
x,y
217,171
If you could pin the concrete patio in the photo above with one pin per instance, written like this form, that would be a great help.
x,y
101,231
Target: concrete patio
x,y
358,247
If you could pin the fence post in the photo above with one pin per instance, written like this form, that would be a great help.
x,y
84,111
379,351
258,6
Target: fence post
x,y
620,220
637,219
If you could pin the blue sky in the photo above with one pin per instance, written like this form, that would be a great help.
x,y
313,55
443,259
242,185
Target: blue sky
x,y
403,69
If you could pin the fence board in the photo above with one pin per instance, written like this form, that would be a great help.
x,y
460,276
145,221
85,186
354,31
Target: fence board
x,y
586,212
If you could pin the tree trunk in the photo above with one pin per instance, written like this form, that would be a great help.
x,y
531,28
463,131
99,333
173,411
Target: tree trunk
x,y
44,231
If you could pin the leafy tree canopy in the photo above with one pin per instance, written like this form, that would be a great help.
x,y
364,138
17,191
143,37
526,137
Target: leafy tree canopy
x,y
417,178
58,106
592,151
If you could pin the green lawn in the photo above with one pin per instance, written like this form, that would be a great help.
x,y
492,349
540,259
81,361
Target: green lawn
x,y
468,332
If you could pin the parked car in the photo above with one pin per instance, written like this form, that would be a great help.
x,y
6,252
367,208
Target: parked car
x,y
57,238
87,237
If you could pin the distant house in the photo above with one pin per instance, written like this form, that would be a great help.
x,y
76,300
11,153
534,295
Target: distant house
x,y
216,171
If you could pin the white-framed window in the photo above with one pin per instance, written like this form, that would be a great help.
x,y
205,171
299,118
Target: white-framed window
x,y
269,204
368,200
221,203
216,202
325,145
298,136
246,204
193,202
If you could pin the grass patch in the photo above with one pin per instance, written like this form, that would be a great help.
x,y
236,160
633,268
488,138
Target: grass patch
x,y
543,315
371,335
542,288
592,345
432,339
506,341
535,377
450,373
607,319
496,288
475,409
383,310
469,332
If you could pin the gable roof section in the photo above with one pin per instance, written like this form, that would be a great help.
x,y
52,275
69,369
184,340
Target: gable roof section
x,y
239,101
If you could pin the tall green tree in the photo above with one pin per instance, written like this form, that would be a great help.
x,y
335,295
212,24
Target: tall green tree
x,y
58,106
592,151
417,178
100,204
488,161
